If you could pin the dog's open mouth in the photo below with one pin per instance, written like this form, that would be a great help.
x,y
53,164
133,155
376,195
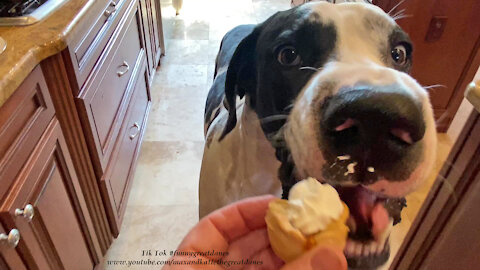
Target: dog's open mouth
x,y
370,224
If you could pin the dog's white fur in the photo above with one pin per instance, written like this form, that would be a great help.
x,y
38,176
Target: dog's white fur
x,y
244,164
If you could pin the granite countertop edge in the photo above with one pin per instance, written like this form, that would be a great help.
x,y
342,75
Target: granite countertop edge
x,y
27,46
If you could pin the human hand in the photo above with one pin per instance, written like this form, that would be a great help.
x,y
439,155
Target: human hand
x,y
238,232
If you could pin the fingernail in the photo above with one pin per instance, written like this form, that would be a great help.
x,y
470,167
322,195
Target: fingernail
x,y
327,259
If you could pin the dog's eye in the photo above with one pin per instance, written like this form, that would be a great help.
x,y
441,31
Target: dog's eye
x,y
288,56
399,54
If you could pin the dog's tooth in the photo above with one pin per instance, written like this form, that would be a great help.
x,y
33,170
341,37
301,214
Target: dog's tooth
x,y
358,249
349,248
366,249
381,244
353,248
373,247
351,224
380,247
386,233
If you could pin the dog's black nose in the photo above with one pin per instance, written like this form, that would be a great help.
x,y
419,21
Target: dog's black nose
x,y
372,124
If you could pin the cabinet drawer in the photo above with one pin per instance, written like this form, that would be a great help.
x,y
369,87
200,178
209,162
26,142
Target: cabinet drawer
x,y
103,102
117,178
23,118
89,43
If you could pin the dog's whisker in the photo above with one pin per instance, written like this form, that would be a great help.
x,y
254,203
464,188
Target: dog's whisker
x,y
434,86
401,17
310,68
396,6
272,118
288,107
399,13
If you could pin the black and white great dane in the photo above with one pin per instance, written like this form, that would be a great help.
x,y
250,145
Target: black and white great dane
x,y
320,90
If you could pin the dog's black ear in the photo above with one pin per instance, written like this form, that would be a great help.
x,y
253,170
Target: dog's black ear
x,y
241,78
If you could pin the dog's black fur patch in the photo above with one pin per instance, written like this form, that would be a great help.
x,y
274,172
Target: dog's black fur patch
x,y
250,52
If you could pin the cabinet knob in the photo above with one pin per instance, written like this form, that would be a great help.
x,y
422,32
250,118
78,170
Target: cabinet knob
x,y
12,239
137,126
125,67
110,9
28,212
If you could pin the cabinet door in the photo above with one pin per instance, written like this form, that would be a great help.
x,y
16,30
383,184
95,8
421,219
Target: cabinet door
x,y
56,236
156,18
147,34
152,33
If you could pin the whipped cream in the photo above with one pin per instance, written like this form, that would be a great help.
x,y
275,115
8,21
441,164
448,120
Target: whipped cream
x,y
313,206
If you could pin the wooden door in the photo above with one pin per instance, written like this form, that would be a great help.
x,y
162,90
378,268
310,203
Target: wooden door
x,y
56,236
445,234
446,39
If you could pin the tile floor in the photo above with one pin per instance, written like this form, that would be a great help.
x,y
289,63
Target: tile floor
x,y
163,203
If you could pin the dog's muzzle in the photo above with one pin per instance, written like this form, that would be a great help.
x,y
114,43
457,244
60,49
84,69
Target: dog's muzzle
x,y
374,127
368,133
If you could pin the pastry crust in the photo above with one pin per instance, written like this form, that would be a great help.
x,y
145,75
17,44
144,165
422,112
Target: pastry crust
x,y
288,243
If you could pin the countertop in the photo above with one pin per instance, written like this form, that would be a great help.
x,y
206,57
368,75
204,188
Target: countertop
x,y
27,46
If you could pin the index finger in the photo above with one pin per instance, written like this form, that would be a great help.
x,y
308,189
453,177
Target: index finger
x,y
218,229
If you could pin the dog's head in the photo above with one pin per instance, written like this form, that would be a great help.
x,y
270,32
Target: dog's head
x,y
331,88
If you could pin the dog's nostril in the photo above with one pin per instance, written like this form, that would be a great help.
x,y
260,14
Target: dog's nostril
x,y
401,135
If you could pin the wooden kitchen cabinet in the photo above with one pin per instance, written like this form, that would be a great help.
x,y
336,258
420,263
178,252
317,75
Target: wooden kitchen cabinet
x,y
42,198
113,105
70,136
103,100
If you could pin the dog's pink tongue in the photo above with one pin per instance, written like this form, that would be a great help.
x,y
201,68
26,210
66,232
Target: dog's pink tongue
x,y
380,220
368,213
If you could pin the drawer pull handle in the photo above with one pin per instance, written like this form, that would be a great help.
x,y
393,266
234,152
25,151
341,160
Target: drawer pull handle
x,y
110,9
135,125
12,239
28,212
120,73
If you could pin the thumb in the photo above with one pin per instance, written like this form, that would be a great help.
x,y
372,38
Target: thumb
x,y
319,258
